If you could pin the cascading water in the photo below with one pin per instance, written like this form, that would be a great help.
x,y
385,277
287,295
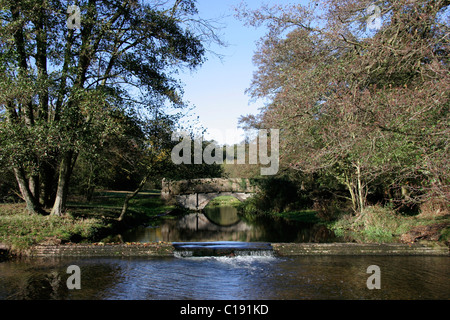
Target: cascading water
x,y
222,248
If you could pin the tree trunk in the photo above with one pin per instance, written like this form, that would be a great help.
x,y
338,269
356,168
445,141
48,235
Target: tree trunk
x,y
90,193
65,170
351,190
35,186
131,196
48,193
353,196
33,205
361,194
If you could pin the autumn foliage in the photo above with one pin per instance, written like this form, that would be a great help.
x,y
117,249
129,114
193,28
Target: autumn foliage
x,y
368,107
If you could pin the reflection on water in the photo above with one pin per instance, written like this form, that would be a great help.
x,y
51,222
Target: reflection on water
x,y
224,224
239,277
223,216
295,278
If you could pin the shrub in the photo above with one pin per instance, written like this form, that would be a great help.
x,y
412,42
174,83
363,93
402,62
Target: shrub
x,y
329,209
434,207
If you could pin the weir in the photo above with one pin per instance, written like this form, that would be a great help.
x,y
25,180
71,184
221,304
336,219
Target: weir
x,y
237,248
222,248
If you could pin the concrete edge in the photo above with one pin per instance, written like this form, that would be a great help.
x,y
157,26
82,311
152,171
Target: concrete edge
x,y
359,249
280,249
102,250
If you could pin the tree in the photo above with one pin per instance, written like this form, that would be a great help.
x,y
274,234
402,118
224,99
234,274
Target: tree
x,y
367,106
156,153
59,86
116,164
156,162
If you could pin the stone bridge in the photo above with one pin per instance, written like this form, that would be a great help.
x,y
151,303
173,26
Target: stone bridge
x,y
195,194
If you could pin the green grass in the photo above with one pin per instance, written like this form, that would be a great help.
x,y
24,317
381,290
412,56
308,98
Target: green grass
x,y
19,230
246,209
146,205
224,201
83,221
378,224
152,209
307,216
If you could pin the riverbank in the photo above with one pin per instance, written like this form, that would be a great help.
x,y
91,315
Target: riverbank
x,y
375,224
90,222
83,222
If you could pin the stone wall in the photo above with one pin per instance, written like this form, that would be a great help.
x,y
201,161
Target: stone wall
x,y
238,185
360,249
102,250
280,249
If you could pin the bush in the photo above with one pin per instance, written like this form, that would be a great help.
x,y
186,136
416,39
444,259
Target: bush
x,y
277,194
329,209
434,207
374,224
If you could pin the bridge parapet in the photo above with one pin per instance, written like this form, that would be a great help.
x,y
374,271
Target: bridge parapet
x,y
209,185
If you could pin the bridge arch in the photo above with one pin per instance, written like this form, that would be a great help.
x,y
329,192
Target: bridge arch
x,y
197,193
198,201
222,216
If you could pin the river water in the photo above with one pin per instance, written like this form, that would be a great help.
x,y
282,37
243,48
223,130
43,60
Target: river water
x,y
252,277
237,278
224,224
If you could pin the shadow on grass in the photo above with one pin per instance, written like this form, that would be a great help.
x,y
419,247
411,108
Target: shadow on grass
x,y
146,209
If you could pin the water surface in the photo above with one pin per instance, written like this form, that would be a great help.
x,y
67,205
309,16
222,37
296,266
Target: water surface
x,y
234,277
242,278
223,223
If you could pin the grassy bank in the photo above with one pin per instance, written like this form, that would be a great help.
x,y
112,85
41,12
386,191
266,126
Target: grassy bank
x,y
251,207
145,208
84,221
19,230
307,216
375,225
224,201
378,224
91,221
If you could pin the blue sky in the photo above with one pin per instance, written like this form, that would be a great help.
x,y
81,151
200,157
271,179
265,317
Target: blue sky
x,y
217,88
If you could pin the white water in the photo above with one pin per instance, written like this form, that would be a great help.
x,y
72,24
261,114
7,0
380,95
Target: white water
x,y
226,249
240,257
238,254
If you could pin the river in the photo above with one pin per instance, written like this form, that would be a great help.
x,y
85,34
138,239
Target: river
x,y
252,277
222,223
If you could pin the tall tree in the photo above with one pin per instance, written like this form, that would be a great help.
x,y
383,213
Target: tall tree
x,y
58,86
367,106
